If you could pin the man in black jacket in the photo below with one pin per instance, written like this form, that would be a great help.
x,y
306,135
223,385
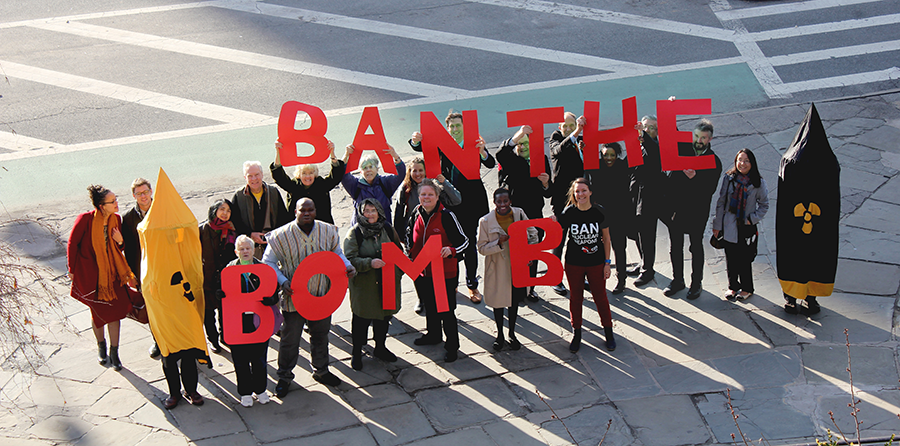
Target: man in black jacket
x,y
689,193
568,164
258,207
143,195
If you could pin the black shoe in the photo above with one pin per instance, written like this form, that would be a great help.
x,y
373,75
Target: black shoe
x,y
282,388
101,353
643,279
214,346
576,341
532,296
329,379
610,339
356,362
694,292
114,358
384,354
451,356
427,340
560,289
790,305
514,343
634,271
620,286
420,310
674,287
498,344
154,351
812,307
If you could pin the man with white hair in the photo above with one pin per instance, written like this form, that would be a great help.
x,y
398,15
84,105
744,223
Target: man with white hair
x,y
258,207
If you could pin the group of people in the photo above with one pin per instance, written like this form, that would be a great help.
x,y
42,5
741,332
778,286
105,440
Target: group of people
x,y
598,210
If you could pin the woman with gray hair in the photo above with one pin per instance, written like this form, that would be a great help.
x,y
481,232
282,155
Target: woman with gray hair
x,y
371,185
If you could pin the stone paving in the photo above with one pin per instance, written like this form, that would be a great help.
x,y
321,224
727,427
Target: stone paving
x,y
669,382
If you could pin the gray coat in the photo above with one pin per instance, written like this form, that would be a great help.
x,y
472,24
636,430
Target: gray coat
x,y
757,206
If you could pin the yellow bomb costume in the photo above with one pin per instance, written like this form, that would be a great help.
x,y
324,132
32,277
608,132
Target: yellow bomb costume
x,y
172,273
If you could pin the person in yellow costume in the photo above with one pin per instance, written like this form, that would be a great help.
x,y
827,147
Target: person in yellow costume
x,y
172,282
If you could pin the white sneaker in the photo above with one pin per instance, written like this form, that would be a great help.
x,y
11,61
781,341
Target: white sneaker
x,y
263,397
246,401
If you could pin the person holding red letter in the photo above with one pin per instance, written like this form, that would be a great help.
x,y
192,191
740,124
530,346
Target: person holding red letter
x,y
258,207
362,246
689,193
250,359
647,190
588,234
288,246
370,184
499,293
568,164
514,157
433,220
99,272
474,197
306,182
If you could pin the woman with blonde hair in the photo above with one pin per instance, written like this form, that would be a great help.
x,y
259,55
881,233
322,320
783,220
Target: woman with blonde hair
x,y
306,182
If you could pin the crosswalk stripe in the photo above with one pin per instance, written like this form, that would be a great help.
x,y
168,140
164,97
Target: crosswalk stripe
x,y
432,36
844,51
812,5
22,143
247,58
889,74
822,28
619,18
105,14
131,94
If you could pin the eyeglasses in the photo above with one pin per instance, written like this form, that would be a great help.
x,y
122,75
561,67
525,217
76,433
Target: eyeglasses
x,y
143,194
111,202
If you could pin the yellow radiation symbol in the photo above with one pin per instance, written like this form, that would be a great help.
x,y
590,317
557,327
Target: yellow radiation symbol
x,y
807,214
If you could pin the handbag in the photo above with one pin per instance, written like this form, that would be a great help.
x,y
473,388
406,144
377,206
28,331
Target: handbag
x,y
716,242
138,306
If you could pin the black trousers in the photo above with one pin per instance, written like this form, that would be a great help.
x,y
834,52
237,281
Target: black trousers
x,y
676,252
646,241
434,321
250,367
188,375
619,241
738,264
360,332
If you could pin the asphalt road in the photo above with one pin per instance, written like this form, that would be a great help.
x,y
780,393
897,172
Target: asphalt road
x,y
102,92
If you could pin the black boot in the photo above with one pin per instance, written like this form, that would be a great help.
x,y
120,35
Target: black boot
x,y
790,305
101,352
620,285
812,307
576,341
114,358
610,339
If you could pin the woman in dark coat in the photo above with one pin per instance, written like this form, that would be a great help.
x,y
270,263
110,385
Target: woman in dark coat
x,y
217,237
362,246
98,270
306,182
610,184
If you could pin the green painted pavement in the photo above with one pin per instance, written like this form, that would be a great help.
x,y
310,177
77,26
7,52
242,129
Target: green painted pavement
x,y
214,160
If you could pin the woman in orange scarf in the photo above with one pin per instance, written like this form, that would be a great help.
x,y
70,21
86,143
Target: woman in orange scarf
x,y
98,270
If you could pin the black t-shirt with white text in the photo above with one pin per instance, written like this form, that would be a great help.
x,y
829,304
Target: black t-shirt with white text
x,y
585,230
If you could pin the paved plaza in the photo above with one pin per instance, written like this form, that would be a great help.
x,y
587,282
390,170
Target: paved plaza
x,y
666,384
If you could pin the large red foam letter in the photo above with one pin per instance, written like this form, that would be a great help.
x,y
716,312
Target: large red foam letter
x,y
314,308
536,118
236,303
289,136
520,252
430,255
669,136
593,136
435,136
371,141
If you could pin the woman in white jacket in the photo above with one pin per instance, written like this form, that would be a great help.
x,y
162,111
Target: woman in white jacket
x,y
743,202
493,244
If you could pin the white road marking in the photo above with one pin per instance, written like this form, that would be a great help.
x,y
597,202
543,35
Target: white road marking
x,y
432,36
831,53
132,95
103,14
812,5
619,18
21,143
763,70
889,74
821,28
247,58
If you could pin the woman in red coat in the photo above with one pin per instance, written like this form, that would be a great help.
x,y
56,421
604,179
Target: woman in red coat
x,y
98,269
